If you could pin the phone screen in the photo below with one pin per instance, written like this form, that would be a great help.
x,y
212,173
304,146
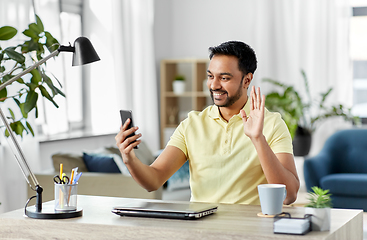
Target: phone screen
x,y
125,114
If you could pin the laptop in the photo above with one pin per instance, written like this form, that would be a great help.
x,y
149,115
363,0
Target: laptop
x,y
188,211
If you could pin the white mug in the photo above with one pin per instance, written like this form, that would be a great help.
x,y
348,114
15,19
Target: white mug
x,y
271,198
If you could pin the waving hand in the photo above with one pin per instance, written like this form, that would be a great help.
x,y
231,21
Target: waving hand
x,y
253,124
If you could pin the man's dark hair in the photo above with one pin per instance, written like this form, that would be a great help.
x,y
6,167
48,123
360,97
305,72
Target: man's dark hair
x,y
246,55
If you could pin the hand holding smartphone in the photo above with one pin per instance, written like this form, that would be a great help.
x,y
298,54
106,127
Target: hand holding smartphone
x,y
125,114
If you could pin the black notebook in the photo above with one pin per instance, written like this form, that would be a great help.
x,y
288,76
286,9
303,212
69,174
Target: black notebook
x,y
189,210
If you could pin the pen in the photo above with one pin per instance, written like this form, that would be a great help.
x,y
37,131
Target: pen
x,y
77,177
74,172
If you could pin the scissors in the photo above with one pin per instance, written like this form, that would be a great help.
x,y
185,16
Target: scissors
x,y
63,180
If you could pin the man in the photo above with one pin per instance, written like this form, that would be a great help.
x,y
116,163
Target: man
x,y
232,146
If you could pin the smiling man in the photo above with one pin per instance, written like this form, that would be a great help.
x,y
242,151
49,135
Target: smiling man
x,y
232,146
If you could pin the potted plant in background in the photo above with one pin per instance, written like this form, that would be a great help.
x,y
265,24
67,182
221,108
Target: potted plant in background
x,y
179,84
17,58
319,207
297,113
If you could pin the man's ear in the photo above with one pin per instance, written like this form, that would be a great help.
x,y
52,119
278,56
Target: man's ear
x,y
247,80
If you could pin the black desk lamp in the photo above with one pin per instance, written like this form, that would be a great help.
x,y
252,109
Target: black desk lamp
x,y
84,53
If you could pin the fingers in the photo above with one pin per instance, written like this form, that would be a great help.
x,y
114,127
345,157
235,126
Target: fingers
x,y
128,145
252,97
126,139
126,124
243,115
262,102
257,100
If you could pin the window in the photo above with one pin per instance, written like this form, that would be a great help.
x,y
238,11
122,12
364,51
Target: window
x,y
71,29
358,49
64,21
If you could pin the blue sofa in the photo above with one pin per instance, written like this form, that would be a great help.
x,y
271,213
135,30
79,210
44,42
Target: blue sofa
x,y
341,167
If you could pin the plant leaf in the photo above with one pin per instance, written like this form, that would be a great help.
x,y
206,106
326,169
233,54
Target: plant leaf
x,y
51,43
30,33
47,95
7,32
29,46
18,57
17,127
36,29
11,113
3,95
30,101
50,84
30,128
39,24
36,76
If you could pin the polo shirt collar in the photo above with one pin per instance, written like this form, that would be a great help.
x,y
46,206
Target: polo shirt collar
x,y
214,111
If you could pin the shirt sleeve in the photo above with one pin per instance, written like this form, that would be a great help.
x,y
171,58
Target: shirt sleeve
x,y
281,140
178,138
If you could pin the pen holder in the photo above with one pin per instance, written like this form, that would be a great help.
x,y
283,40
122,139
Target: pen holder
x,y
66,197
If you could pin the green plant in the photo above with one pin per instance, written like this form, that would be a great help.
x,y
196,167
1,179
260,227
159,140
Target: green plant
x,y
180,78
13,60
319,198
297,113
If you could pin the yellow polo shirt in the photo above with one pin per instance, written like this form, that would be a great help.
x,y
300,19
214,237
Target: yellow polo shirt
x,y
224,165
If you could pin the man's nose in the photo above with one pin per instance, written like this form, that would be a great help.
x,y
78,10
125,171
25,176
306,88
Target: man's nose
x,y
215,84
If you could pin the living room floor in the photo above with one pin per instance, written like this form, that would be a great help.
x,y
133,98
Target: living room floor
x,y
184,195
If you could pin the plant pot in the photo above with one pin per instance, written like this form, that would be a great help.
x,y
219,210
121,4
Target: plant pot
x,y
178,87
320,218
302,142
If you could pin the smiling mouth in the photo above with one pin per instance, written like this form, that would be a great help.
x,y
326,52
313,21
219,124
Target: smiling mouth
x,y
217,94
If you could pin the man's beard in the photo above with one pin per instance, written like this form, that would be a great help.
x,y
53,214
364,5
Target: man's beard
x,y
230,100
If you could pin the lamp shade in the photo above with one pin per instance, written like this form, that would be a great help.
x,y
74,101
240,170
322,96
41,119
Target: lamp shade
x,y
84,52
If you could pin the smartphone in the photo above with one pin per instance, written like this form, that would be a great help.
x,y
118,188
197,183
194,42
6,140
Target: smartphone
x,y
125,114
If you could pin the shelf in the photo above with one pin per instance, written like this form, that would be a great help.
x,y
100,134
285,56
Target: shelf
x,y
174,107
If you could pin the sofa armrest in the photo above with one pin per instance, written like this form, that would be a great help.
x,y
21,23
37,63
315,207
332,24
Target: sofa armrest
x,y
98,184
316,168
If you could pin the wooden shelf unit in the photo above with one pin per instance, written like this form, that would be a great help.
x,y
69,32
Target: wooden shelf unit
x,y
196,95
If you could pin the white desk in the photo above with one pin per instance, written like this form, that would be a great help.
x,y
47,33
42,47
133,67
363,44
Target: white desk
x,y
230,222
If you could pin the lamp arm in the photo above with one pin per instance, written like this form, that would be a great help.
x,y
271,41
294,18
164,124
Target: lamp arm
x,y
20,151
23,162
19,75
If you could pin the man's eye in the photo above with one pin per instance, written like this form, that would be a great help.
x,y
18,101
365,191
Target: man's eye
x,y
210,76
225,79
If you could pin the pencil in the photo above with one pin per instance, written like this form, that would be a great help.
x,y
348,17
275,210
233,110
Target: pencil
x,y
61,170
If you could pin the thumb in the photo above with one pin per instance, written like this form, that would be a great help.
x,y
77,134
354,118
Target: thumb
x,y
243,115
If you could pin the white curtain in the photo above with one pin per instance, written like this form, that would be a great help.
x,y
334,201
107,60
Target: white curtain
x,y
312,35
125,78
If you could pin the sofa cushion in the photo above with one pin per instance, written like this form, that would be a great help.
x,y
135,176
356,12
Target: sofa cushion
x,y
111,152
346,184
100,163
69,161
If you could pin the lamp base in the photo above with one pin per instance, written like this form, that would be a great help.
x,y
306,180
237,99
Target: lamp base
x,y
49,212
